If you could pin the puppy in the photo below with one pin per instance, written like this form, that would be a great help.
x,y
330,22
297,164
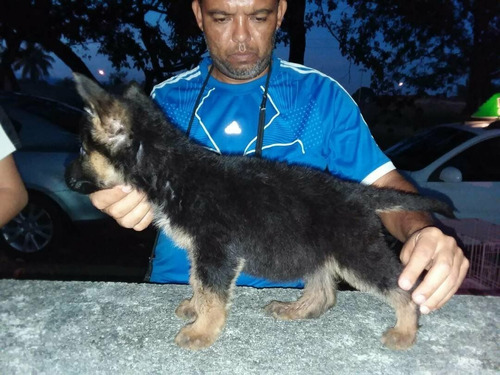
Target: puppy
x,y
235,213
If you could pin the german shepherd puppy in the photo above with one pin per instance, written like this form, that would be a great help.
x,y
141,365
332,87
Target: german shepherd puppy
x,y
236,213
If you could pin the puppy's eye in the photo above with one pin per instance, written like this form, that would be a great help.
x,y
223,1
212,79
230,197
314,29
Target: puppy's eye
x,y
82,151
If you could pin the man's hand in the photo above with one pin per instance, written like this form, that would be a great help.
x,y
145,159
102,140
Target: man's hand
x,y
127,206
430,249
424,249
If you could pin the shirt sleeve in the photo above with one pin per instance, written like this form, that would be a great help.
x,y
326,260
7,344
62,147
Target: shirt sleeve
x,y
9,141
352,151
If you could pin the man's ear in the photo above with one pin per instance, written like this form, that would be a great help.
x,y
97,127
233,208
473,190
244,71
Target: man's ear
x,y
282,6
111,125
197,13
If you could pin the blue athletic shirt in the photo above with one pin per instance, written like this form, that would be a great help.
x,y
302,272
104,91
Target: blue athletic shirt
x,y
310,120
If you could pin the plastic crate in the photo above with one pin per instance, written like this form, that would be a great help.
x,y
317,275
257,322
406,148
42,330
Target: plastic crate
x,y
481,245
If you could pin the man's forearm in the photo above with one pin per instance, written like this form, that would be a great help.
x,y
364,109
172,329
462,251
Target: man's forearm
x,y
402,224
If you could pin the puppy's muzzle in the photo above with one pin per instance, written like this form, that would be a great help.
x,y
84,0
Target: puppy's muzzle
x,y
76,181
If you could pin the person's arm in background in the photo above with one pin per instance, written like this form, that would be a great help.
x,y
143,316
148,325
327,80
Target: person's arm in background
x,y
13,194
425,248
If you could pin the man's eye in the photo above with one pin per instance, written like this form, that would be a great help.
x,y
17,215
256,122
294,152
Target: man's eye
x,y
259,19
220,19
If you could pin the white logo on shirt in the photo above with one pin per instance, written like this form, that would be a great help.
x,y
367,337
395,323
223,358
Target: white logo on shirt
x,y
233,129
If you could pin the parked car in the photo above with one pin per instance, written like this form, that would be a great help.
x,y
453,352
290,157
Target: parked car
x,y
456,162
48,131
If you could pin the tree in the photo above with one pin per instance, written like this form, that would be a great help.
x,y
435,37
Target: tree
x,y
8,79
54,25
151,35
157,37
293,30
427,44
34,62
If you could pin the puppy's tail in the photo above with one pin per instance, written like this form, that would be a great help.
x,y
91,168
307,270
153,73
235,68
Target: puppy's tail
x,y
387,200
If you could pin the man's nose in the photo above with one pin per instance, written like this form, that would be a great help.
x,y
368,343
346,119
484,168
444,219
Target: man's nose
x,y
241,32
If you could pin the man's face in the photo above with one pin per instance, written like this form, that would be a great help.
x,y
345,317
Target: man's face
x,y
239,35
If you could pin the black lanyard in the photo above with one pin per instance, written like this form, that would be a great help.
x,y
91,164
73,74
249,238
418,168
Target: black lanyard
x,y
262,110
198,99
262,116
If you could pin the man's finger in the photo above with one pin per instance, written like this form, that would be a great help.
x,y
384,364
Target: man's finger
x,y
145,222
462,274
135,215
104,198
438,274
125,205
419,261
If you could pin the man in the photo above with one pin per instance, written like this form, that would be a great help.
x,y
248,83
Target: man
x,y
13,194
309,119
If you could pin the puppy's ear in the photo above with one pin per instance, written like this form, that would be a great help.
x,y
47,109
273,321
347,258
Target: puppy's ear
x,y
92,94
133,90
108,114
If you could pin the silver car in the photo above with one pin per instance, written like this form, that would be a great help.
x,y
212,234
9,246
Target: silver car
x,y
456,162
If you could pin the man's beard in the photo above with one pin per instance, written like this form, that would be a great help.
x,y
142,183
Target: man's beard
x,y
244,73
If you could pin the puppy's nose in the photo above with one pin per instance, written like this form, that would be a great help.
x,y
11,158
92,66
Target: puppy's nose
x,y
77,183
82,187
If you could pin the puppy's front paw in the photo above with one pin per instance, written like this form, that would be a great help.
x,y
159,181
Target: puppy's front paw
x,y
191,338
398,340
186,311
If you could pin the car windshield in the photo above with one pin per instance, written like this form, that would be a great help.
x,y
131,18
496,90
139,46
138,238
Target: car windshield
x,y
419,151
43,125
62,115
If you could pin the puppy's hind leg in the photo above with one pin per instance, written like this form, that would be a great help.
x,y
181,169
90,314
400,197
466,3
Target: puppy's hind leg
x,y
318,296
403,335
377,272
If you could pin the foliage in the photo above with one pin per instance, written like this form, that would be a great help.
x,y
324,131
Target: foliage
x,y
33,62
293,30
153,36
150,35
426,44
117,79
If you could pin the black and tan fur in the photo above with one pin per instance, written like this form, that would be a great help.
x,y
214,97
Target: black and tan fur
x,y
236,214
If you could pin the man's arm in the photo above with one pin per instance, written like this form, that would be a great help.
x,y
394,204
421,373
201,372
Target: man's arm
x,y
425,248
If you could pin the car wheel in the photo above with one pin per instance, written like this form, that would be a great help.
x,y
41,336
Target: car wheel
x,y
38,228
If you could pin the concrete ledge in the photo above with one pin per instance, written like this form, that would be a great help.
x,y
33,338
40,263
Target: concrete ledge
x,y
55,327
